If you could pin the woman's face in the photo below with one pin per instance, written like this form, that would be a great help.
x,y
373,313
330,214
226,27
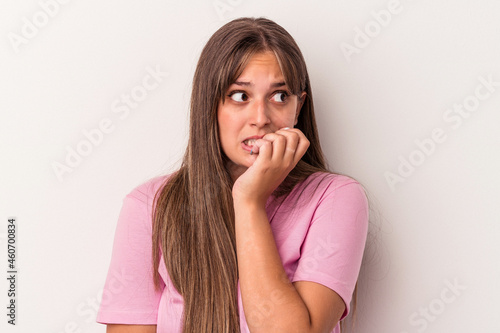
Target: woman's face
x,y
256,104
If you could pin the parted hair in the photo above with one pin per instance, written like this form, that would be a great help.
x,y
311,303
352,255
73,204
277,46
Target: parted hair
x,y
193,216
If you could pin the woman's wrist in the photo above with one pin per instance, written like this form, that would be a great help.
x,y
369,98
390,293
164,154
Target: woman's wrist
x,y
248,204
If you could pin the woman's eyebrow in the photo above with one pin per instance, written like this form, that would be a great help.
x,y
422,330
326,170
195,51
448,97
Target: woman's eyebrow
x,y
273,85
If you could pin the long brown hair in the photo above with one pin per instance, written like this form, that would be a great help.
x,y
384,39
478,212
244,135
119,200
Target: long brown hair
x,y
193,219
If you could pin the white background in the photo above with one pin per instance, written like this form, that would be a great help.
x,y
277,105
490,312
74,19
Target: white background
x,y
437,226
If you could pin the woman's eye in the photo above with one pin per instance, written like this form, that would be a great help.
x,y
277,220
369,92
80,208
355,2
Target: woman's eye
x,y
280,97
239,97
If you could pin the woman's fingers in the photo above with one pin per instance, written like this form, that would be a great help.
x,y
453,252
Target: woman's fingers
x,y
262,147
290,149
301,146
277,143
285,146
278,153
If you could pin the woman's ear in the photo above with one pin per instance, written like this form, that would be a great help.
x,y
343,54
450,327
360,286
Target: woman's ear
x,y
301,99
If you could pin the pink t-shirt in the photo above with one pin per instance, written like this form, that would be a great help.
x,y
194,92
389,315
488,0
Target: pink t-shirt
x,y
320,238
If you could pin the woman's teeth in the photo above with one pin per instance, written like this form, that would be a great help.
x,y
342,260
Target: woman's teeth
x,y
249,142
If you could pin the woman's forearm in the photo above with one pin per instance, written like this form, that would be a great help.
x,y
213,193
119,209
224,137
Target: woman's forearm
x,y
270,301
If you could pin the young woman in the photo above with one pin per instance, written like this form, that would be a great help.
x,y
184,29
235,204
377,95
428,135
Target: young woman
x,y
252,233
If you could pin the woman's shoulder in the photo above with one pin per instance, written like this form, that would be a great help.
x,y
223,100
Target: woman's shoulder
x,y
146,191
321,186
333,192
330,181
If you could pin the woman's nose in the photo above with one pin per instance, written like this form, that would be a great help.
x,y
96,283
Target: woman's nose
x,y
260,113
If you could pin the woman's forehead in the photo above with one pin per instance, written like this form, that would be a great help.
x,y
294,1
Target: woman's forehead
x,y
261,65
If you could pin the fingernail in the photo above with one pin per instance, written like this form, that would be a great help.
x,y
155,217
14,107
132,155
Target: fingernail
x,y
286,128
251,151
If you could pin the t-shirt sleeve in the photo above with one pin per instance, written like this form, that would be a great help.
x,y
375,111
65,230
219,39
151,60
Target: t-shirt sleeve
x,y
332,251
129,296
